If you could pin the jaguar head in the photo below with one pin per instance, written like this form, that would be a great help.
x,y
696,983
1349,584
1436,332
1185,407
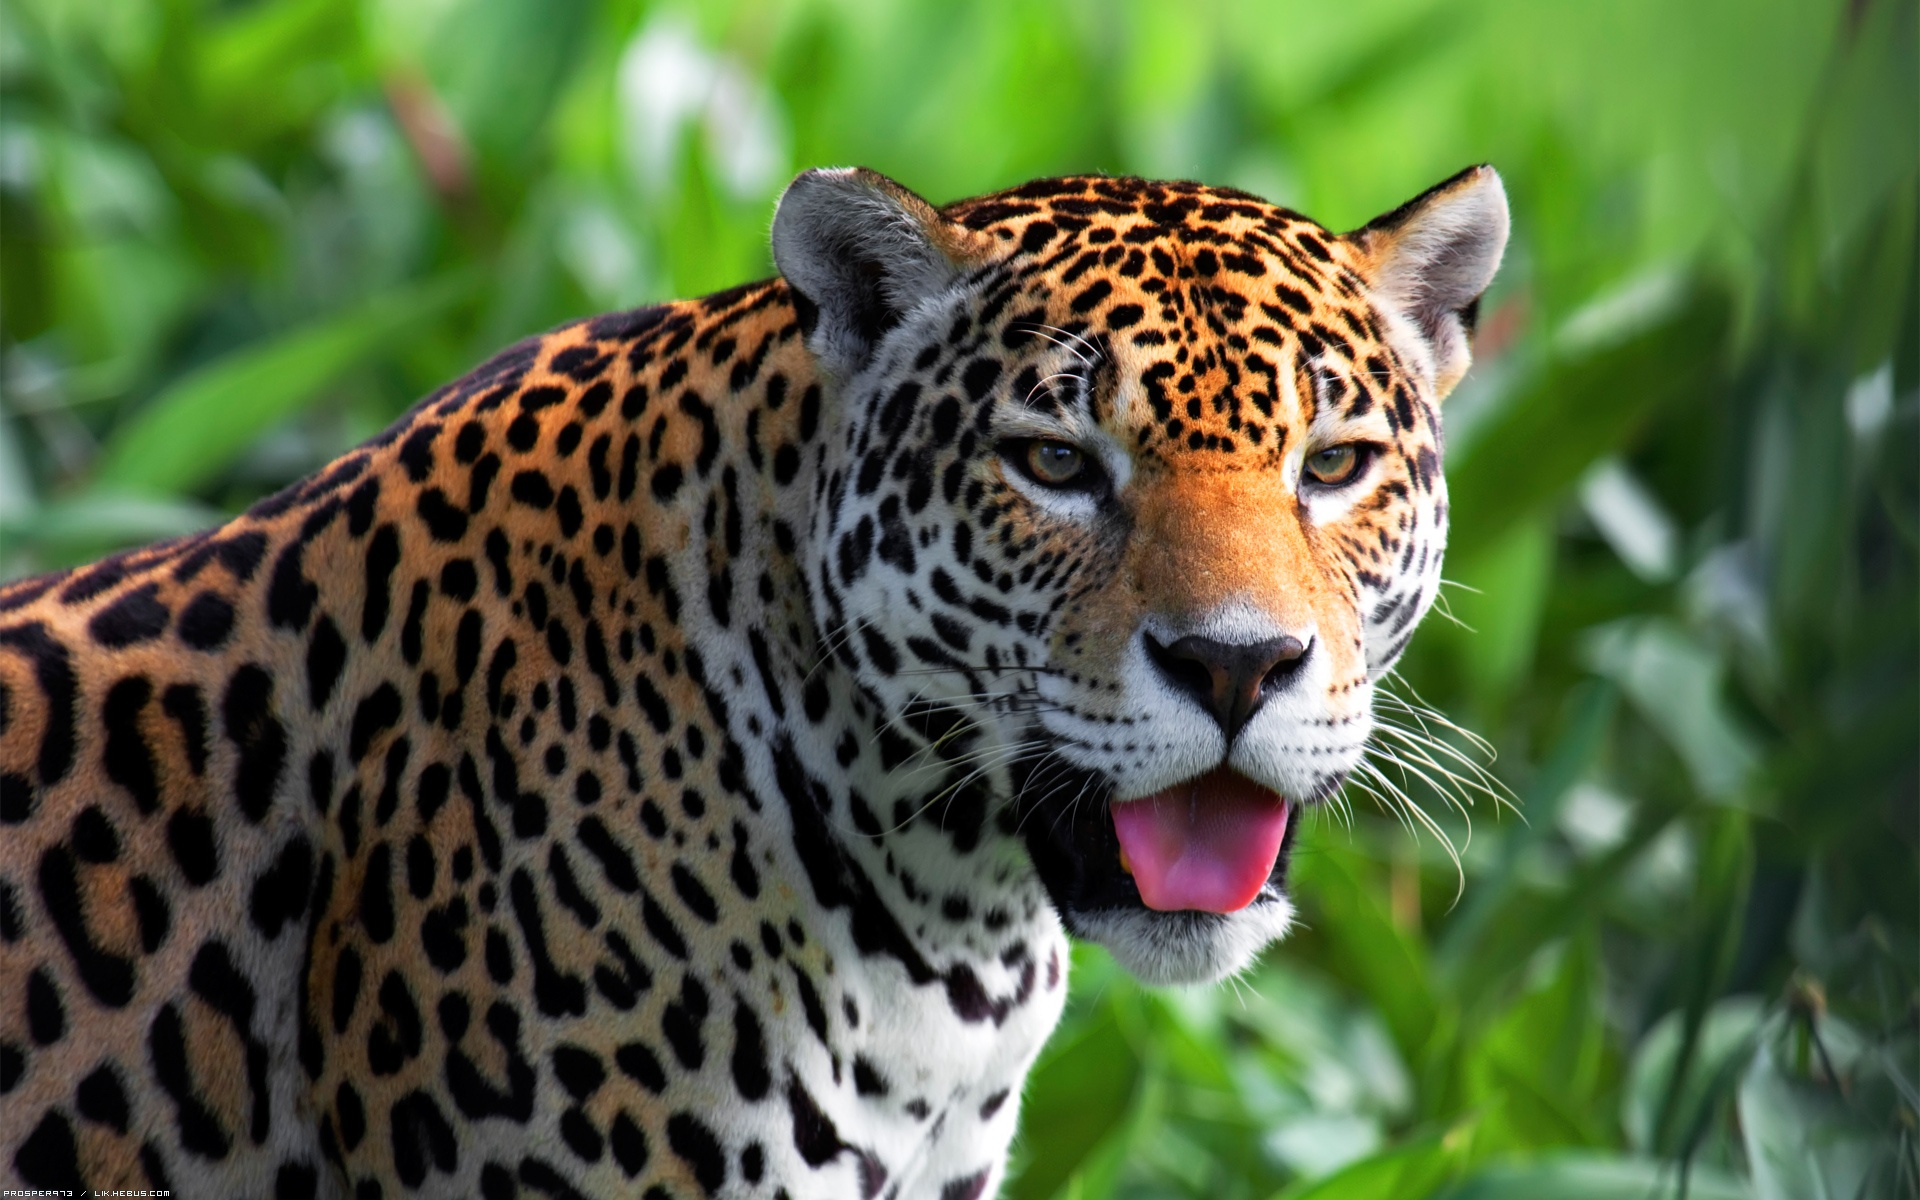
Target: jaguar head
x,y
1135,493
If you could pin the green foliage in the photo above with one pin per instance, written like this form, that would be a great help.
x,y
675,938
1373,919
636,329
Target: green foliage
x,y
238,236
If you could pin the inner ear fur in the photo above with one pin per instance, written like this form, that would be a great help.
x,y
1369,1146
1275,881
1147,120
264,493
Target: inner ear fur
x,y
861,252
1430,259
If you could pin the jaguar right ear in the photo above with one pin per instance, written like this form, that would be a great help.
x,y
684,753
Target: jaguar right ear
x,y
1431,258
860,252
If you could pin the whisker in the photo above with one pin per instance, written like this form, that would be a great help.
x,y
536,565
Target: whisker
x,y
1431,749
1020,696
1391,802
1445,610
1419,814
1478,780
1039,330
827,649
1010,754
1049,379
984,670
1410,769
1091,348
933,746
1426,712
989,755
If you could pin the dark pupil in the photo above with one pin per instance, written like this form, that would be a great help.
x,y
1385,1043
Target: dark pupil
x,y
1057,458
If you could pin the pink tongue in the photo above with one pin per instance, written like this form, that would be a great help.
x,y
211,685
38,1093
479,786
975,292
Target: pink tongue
x,y
1206,844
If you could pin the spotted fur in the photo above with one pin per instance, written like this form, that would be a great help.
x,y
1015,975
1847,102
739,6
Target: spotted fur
x,y
665,761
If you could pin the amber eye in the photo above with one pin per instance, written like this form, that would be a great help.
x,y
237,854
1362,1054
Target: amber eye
x,y
1056,464
1335,465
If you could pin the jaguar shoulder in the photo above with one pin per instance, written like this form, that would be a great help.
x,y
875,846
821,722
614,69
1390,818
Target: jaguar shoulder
x,y
668,760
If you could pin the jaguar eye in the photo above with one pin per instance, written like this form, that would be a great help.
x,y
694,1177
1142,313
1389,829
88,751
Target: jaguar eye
x,y
1053,464
1335,465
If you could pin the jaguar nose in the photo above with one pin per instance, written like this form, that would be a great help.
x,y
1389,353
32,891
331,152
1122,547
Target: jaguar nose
x,y
1231,680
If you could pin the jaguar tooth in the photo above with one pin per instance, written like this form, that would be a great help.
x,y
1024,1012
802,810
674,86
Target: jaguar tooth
x,y
1124,864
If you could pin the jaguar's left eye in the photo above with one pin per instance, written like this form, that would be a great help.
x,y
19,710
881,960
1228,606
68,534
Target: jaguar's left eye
x,y
1053,464
1336,465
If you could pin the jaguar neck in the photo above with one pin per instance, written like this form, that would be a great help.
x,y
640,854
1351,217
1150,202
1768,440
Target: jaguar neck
x,y
909,807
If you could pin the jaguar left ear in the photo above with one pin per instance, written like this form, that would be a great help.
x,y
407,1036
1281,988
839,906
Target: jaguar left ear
x,y
860,252
1431,258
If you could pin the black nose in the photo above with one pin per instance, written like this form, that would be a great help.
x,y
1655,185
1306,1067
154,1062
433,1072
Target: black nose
x,y
1230,680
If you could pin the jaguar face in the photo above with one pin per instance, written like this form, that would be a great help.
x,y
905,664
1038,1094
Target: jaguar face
x,y
1135,494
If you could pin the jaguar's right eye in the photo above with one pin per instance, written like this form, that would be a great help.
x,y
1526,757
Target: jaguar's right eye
x,y
1336,465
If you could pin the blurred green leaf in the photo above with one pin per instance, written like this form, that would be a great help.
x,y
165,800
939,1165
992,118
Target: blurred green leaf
x,y
501,65
197,426
1541,1065
1495,609
1804,1139
1676,682
1685,491
1726,1041
87,526
1411,1171
1076,1098
258,73
1596,1177
1344,909
1661,352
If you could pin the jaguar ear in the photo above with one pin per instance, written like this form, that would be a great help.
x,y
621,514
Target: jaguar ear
x,y
1431,258
860,252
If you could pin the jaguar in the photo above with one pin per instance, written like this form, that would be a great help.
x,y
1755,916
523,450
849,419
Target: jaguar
x,y
669,760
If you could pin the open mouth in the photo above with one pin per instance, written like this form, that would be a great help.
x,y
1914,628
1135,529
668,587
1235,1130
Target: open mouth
x,y
1208,844
1211,844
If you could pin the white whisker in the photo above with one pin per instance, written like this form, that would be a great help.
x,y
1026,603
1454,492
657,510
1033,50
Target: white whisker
x,y
1040,331
1091,349
1049,379
1419,814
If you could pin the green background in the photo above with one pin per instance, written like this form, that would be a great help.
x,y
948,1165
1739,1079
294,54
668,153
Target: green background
x,y
238,237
